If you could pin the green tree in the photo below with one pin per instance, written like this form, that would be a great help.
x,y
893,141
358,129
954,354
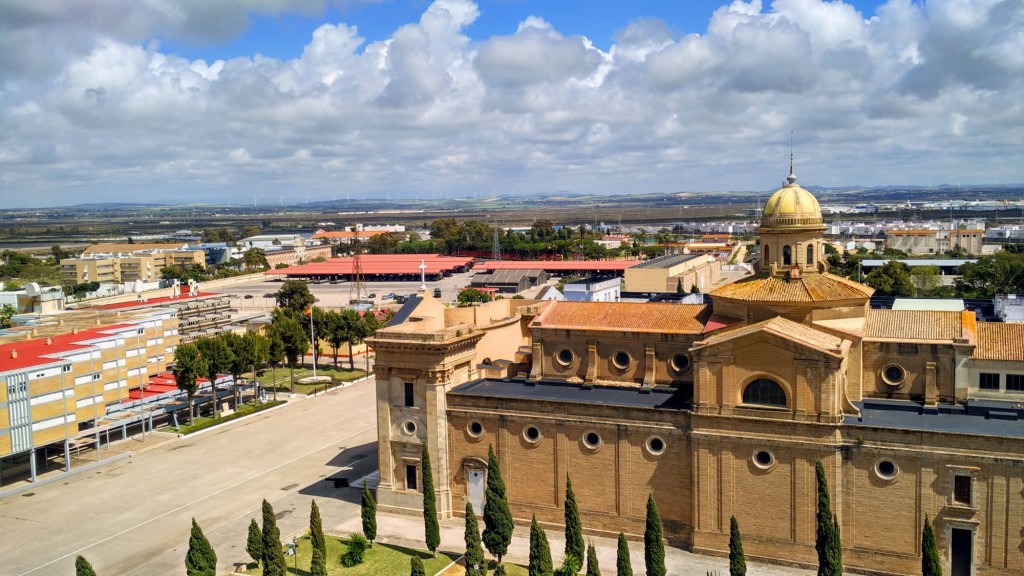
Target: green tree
x,y
1000,273
827,542
416,566
574,546
430,526
255,258
467,295
540,551
293,340
316,529
83,568
318,564
499,570
737,560
218,358
623,566
654,545
891,279
240,360
254,544
275,354
679,287
273,556
200,560
188,366
294,295
476,565
926,279
592,568
254,351
368,513
6,313
497,516
351,332
931,562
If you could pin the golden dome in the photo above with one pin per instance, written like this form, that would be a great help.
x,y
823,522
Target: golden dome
x,y
791,206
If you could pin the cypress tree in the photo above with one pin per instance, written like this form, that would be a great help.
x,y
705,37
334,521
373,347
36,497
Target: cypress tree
x,y
474,551
574,547
499,571
430,526
200,560
497,517
654,546
623,566
254,545
368,511
316,529
318,565
592,568
83,568
827,542
540,552
931,563
416,567
737,560
273,555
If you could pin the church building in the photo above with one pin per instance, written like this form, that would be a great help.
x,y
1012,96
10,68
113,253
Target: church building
x,y
721,410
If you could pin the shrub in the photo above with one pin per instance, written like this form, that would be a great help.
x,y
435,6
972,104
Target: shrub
x,y
357,545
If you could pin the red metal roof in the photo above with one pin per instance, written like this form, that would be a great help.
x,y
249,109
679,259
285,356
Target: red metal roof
x,y
35,352
378,264
558,265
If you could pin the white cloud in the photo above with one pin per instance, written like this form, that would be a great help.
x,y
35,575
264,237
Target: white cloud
x,y
919,93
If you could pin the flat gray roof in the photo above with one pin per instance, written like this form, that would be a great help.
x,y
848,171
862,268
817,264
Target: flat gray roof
x,y
977,417
659,397
666,261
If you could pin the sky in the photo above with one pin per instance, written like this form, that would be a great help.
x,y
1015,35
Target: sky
x,y
242,101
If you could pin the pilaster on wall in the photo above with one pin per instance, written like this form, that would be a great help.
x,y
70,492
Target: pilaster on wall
x,y
385,463
537,371
592,359
437,382
649,366
931,385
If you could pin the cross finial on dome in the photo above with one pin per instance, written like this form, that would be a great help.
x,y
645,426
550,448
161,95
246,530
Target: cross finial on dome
x,y
791,180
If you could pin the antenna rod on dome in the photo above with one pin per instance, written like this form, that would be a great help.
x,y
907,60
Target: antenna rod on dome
x,y
792,175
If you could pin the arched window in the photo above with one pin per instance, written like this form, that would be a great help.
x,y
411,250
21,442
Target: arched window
x,y
810,253
764,392
787,255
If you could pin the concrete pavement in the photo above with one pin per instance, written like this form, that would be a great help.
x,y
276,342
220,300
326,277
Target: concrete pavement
x,y
133,517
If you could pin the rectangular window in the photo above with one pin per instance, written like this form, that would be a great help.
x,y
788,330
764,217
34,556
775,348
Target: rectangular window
x,y
988,381
410,399
962,489
1015,382
410,477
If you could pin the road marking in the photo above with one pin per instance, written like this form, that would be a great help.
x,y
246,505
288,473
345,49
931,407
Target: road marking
x,y
207,497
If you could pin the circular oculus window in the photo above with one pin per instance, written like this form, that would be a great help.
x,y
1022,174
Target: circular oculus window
x,y
622,359
894,374
565,356
763,459
531,434
475,429
681,362
409,427
655,445
886,469
592,440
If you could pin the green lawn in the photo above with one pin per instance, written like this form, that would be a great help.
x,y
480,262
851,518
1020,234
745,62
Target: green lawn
x,y
379,560
281,374
202,422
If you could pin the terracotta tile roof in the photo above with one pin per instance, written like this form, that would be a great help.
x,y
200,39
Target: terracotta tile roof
x,y
932,325
999,341
788,329
809,288
625,317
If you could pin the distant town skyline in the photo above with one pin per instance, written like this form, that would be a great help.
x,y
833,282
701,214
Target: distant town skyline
x,y
224,102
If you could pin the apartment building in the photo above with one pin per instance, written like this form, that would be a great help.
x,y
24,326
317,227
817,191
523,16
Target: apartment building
x,y
935,241
143,266
61,375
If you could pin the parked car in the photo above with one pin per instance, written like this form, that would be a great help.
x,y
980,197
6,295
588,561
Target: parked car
x,y
270,295
388,296
371,295
399,299
248,296
437,292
